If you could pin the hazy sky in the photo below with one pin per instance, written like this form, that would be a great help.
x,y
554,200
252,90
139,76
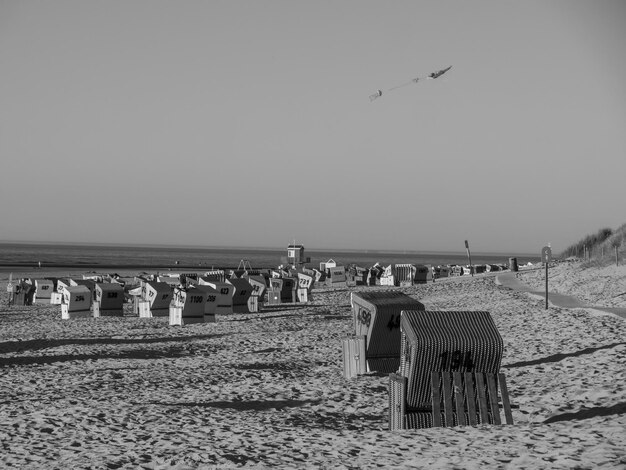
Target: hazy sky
x,y
248,123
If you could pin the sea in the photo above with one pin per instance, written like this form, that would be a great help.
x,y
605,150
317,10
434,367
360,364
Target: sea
x,y
205,258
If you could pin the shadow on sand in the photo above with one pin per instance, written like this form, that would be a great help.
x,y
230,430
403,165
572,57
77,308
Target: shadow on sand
x,y
45,343
560,357
588,413
248,405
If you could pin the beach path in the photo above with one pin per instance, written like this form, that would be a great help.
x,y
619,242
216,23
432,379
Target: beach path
x,y
511,281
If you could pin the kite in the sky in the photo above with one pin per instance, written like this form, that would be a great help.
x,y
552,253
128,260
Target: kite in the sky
x,y
378,94
431,76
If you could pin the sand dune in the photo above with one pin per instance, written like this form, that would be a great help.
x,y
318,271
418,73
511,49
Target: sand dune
x,y
266,390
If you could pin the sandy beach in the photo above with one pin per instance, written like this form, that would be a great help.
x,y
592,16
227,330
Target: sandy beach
x,y
265,390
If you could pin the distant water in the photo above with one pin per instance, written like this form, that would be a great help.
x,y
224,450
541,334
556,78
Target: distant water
x,y
100,256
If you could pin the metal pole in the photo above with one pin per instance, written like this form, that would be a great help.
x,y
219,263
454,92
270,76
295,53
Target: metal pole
x,y
469,257
546,286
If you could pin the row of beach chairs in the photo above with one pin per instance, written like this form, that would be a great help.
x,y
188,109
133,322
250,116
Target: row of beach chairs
x,y
186,298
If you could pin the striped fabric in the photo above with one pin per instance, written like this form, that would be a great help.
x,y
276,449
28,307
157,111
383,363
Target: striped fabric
x,y
463,341
418,420
377,316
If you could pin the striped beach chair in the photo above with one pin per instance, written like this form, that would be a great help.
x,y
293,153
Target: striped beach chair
x,y
449,371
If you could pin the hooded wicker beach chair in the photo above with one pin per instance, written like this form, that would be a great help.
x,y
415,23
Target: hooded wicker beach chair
x,y
376,317
449,371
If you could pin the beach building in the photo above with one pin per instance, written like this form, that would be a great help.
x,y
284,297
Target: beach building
x,y
326,265
295,255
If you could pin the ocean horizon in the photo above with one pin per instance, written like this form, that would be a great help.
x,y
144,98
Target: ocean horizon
x,y
53,254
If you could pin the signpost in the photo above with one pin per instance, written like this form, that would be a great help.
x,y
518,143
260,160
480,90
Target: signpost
x,y
469,258
546,257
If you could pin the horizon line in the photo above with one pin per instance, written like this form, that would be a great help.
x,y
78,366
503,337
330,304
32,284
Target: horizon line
x,y
261,248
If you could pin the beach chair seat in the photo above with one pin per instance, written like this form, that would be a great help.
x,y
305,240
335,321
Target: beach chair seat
x,y
458,399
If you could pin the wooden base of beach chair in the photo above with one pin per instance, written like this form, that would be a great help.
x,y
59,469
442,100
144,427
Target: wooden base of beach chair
x,y
461,399
71,315
177,318
99,312
458,399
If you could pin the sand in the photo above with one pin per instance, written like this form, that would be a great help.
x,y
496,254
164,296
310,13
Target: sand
x,y
266,390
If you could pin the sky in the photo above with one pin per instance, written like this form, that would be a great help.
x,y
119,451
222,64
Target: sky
x,y
248,123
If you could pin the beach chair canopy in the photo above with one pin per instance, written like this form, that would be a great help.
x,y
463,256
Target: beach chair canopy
x,y
431,341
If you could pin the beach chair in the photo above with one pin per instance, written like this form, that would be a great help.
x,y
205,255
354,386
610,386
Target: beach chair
x,y
108,300
188,306
242,291
155,299
449,370
376,318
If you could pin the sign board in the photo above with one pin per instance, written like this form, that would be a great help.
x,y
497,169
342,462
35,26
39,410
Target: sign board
x,y
546,254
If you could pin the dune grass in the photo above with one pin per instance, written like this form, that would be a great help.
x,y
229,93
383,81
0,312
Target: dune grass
x,y
600,248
